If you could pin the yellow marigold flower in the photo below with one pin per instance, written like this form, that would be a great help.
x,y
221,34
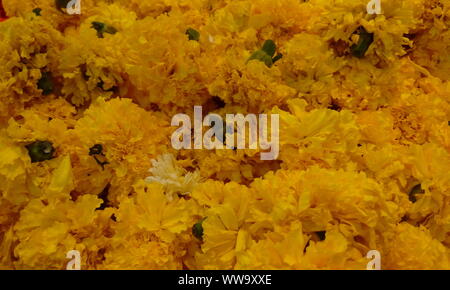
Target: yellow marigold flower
x,y
13,171
335,253
321,136
309,63
225,234
29,48
317,196
281,250
149,224
161,64
283,16
128,143
376,127
414,249
53,224
91,67
253,85
151,211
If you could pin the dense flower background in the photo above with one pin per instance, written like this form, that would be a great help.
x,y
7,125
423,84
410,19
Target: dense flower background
x,y
86,161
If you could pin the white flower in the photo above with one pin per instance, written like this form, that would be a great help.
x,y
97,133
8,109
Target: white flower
x,y
176,180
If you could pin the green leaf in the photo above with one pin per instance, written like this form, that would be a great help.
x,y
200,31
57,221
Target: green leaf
x,y
266,53
103,28
193,34
99,26
96,151
40,151
269,47
321,235
46,83
110,30
414,191
365,40
268,61
37,11
197,229
261,56
277,58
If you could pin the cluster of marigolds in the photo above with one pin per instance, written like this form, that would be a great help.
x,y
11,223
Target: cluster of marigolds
x,y
86,162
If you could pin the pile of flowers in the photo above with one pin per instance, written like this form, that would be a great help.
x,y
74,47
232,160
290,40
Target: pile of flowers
x,y
86,163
